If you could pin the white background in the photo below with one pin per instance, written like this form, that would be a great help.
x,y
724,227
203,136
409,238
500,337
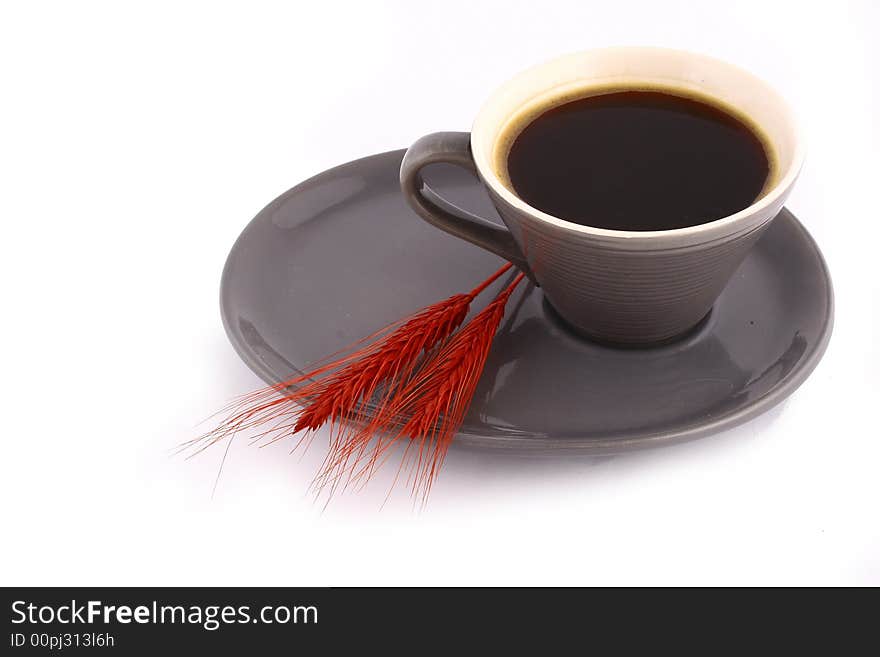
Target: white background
x,y
137,141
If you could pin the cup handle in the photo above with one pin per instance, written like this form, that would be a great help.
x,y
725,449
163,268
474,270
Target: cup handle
x,y
453,148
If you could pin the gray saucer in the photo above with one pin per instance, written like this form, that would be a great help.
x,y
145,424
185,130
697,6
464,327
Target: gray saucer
x,y
342,255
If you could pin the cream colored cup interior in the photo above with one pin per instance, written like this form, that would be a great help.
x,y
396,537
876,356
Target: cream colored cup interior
x,y
524,97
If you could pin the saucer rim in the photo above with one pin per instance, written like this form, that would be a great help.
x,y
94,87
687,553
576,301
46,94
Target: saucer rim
x,y
533,443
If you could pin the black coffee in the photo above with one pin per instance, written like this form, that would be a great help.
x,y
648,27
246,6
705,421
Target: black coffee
x,y
638,160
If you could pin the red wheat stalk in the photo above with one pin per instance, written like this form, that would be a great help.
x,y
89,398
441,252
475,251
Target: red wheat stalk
x,y
341,392
433,402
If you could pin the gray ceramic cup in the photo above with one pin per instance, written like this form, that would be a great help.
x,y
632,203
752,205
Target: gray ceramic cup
x,y
626,287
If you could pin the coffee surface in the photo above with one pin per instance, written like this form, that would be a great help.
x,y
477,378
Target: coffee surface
x,y
637,160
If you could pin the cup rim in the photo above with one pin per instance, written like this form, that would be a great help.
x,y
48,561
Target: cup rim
x,y
705,230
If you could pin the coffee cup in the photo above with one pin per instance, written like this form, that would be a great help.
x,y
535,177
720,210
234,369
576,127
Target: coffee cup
x,y
629,287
